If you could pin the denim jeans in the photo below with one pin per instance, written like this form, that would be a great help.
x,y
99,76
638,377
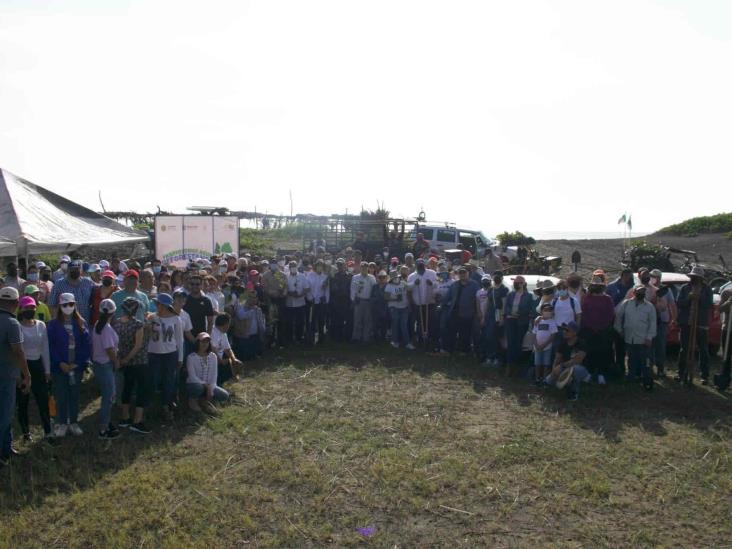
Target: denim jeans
x,y
104,374
7,408
579,374
638,360
399,320
515,330
165,371
197,390
67,397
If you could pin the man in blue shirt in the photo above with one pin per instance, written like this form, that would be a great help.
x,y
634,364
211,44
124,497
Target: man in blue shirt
x,y
73,283
461,310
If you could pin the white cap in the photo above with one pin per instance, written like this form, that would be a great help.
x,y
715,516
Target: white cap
x,y
63,299
104,264
40,265
107,306
64,259
9,293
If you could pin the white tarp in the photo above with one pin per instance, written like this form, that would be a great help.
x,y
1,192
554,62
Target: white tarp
x,y
39,221
182,238
7,248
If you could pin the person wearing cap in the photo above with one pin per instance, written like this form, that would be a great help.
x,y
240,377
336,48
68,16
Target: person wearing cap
x,y
697,290
63,268
420,246
104,363
598,316
319,297
165,350
397,299
409,262
133,360
35,346
422,284
544,329
461,309
575,287
362,285
12,279
519,308
297,288
129,289
13,368
644,275
340,327
202,370
101,292
666,315
69,345
95,272
545,292
570,354
73,283
41,309
635,320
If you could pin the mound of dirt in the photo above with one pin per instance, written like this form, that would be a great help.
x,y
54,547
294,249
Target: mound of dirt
x,y
606,253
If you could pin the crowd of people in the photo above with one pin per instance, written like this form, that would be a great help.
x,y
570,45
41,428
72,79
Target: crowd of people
x,y
154,335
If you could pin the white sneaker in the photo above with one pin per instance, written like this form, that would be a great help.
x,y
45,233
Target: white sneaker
x,y
59,430
75,430
410,347
600,379
395,344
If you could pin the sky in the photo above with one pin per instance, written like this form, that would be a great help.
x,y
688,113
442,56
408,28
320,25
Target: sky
x,y
494,115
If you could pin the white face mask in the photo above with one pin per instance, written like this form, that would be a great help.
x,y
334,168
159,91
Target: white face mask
x,y
68,309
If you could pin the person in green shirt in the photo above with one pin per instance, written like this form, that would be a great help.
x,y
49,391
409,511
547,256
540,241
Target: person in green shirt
x,y
129,289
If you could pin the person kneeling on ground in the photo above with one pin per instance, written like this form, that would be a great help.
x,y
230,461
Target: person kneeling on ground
x,y
202,372
568,370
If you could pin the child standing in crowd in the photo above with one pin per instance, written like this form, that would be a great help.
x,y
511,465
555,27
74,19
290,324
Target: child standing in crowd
x,y
395,294
165,350
105,361
545,328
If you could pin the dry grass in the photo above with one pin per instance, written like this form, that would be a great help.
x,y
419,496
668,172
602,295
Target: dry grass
x,y
426,451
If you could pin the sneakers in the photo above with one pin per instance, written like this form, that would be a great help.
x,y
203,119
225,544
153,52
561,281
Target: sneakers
x,y
59,430
410,347
600,379
75,430
395,344
140,428
108,434
124,423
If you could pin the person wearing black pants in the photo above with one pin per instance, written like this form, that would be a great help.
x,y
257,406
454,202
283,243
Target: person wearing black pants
x,y
40,389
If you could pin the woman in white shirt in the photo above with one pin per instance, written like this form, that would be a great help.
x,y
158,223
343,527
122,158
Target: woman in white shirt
x,y
35,346
202,366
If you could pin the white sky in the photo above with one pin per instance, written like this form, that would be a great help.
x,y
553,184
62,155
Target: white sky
x,y
497,115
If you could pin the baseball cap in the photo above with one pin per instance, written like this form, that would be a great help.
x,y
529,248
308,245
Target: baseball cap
x,y
254,272
572,325
132,273
65,298
166,301
9,293
179,292
107,306
104,264
26,302
93,268
40,265
30,289
108,274
64,259
202,335
75,264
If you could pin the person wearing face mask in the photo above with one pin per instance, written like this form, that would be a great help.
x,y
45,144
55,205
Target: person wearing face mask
x,y
63,268
397,301
545,330
545,292
80,288
32,276
101,292
129,289
42,312
12,279
297,287
340,303
105,342
566,308
644,275
518,310
35,345
69,344
362,285
598,315
497,299
157,268
636,322
422,284
45,284
574,286
461,310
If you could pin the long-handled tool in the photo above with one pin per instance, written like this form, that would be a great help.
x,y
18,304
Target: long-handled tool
x,y
688,378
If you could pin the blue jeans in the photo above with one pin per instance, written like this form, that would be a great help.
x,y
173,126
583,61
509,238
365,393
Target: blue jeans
x,y
67,397
638,361
7,408
515,330
399,324
165,371
104,374
197,390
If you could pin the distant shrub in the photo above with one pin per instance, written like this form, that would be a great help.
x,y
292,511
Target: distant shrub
x,y
720,223
516,238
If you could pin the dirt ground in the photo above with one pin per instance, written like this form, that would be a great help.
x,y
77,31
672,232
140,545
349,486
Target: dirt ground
x,y
606,253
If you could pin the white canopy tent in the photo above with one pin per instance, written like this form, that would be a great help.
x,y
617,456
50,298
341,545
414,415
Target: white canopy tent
x,y
37,221
7,248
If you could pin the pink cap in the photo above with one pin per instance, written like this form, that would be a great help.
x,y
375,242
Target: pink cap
x,y
26,302
108,274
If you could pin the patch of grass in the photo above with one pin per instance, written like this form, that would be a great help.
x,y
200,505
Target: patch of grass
x,y
320,442
720,223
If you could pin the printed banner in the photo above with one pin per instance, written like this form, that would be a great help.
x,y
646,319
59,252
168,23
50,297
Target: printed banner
x,y
183,238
